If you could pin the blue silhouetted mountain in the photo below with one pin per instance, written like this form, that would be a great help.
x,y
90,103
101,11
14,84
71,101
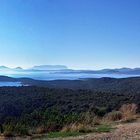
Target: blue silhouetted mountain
x,y
62,69
18,68
4,68
50,67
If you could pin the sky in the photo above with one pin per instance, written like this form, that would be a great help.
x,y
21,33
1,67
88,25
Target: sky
x,y
82,34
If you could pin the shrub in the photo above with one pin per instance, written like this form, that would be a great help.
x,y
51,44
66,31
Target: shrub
x,y
8,134
100,111
8,131
53,126
83,128
72,127
15,130
128,110
87,118
96,120
129,120
21,130
41,129
114,116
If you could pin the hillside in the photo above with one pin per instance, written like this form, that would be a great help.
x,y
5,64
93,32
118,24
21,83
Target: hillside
x,y
16,100
123,85
35,110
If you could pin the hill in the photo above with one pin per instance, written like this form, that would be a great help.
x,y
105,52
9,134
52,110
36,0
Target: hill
x,y
122,85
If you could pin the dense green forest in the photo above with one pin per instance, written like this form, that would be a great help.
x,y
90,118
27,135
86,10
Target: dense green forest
x,y
22,108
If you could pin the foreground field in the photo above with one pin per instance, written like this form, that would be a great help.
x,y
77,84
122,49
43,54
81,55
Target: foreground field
x,y
129,131
126,131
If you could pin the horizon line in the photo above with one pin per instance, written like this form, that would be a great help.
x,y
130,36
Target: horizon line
x,y
67,67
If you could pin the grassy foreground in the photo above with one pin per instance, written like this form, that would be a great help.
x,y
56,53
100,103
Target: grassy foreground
x,y
86,123
58,134
99,129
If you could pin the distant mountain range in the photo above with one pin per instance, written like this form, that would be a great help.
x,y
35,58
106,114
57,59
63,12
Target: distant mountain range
x,y
134,71
50,67
40,68
64,69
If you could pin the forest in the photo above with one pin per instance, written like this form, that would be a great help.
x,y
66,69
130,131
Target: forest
x,y
28,110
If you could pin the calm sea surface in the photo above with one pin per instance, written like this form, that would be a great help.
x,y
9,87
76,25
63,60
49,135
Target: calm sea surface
x,y
10,84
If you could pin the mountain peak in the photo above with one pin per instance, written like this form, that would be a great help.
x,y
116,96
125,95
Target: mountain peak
x,y
18,68
3,67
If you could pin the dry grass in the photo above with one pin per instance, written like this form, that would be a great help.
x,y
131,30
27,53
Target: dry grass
x,y
89,122
128,111
41,129
77,127
96,120
113,116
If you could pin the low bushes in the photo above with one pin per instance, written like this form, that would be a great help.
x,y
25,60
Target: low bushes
x,y
128,111
54,121
114,116
8,130
15,130
41,129
83,128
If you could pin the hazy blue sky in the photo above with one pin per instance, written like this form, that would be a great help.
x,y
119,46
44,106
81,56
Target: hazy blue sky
x,y
88,34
